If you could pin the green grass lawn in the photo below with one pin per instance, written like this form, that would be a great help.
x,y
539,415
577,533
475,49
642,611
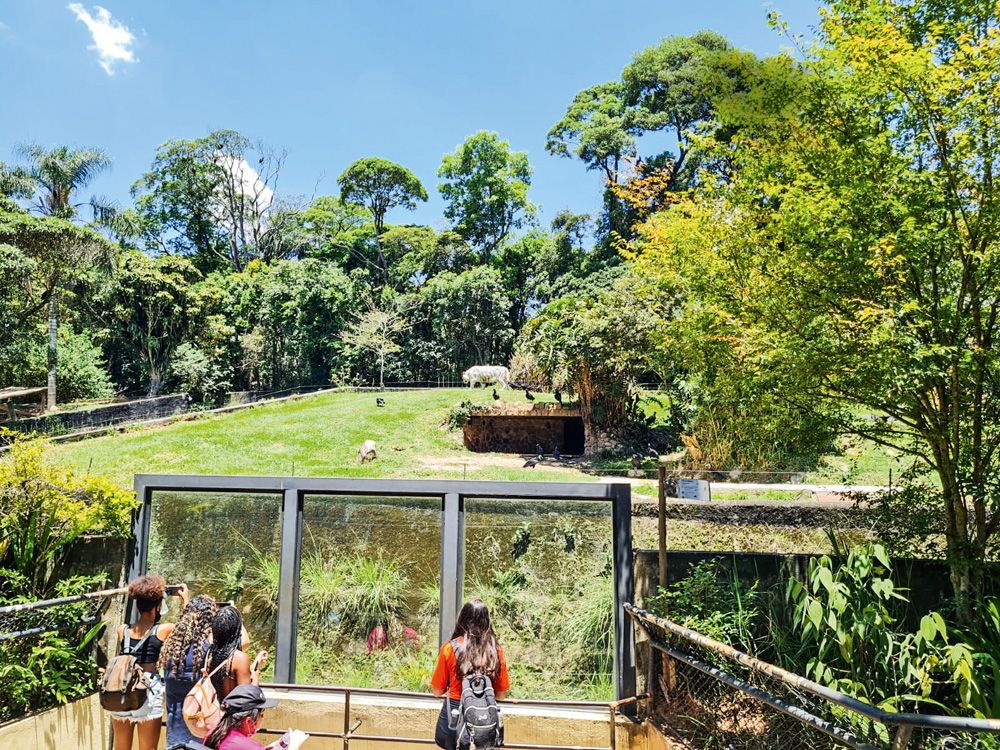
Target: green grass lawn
x,y
313,436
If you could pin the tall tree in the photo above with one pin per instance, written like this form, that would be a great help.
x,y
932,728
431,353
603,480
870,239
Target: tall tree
x,y
486,190
216,198
601,129
672,85
380,186
853,256
58,254
58,174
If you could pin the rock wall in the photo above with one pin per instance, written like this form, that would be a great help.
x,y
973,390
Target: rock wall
x,y
107,415
517,428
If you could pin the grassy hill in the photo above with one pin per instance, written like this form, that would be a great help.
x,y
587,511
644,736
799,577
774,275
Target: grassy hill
x,y
313,436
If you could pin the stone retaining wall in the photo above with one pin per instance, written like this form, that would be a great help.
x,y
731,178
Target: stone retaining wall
x,y
107,415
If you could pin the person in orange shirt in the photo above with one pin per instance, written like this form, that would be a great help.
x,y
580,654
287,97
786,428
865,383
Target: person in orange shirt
x,y
473,649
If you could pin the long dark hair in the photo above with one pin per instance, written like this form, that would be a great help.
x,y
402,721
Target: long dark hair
x,y
191,632
479,651
227,632
228,723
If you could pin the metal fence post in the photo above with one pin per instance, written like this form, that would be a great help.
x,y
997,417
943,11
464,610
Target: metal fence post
x,y
138,545
624,653
452,563
288,587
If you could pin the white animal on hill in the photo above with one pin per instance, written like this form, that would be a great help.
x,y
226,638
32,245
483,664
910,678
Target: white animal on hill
x,y
486,374
366,452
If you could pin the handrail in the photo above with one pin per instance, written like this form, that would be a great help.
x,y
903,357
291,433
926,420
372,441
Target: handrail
x,y
29,606
348,734
833,696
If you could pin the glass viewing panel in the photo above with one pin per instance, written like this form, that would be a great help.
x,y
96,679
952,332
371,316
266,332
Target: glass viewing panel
x,y
222,544
368,596
545,570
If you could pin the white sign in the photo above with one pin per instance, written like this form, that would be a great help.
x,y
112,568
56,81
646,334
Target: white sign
x,y
693,489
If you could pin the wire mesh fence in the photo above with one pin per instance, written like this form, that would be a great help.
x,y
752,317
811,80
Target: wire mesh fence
x,y
713,701
47,649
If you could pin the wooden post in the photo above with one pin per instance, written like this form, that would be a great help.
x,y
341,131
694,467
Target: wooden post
x,y
661,472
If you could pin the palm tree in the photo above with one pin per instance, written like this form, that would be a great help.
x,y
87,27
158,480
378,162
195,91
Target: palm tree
x,y
57,175
60,172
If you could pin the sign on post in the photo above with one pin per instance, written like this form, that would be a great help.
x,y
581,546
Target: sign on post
x,y
693,489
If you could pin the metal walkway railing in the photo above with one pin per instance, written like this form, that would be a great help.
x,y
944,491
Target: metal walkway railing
x,y
350,728
769,707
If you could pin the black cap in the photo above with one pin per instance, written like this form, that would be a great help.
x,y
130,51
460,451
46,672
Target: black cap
x,y
243,698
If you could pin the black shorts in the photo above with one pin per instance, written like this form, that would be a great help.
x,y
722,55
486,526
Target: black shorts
x,y
443,736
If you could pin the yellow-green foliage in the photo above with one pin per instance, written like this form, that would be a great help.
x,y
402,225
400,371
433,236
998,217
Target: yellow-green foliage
x,y
44,507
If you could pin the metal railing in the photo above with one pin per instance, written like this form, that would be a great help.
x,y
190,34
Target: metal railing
x,y
23,615
350,728
767,706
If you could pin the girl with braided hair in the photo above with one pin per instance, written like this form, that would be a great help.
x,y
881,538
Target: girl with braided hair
x,y
227,639
182,658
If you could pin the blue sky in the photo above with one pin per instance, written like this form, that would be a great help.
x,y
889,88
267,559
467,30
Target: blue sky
x,y
334,82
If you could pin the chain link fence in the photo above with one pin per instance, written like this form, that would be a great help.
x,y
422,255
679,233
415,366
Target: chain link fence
x,y
716,698
47,649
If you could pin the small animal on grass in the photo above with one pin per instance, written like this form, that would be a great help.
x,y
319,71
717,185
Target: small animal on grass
x,y
557,396
555,454
528,395
538,450
366,452
531,463
379,401
652,452
636,461
496,396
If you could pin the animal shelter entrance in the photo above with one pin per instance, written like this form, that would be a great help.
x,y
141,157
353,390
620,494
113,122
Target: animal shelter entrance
x,y
519,428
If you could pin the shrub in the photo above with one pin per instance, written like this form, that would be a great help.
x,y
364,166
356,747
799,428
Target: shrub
x,y
82,373
43,508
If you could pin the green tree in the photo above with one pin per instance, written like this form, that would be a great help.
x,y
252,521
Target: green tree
x,y
59,174
485,186
332,229
59,255
601,130
380,186
215,198
377,327
672,86
155,304
853,254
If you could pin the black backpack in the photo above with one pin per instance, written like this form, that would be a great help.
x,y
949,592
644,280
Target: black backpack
x,y
479,723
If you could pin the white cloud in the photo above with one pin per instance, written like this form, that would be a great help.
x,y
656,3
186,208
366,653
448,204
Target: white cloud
x,y
112,41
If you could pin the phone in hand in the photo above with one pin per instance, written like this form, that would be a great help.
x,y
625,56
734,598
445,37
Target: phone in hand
x,y
172,590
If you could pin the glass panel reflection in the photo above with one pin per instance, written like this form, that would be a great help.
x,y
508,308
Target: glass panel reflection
x,y
225,545
368,603
544,568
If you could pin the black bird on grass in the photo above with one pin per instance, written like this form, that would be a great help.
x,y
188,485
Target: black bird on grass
x,y
652,452
527,395
636,461
538,450
496,396
531,463
379,401
555,454
557,396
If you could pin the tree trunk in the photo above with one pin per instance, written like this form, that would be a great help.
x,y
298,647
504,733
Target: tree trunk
x,y
53,342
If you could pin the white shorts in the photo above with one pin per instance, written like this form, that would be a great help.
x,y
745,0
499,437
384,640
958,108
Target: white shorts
x,y
152,708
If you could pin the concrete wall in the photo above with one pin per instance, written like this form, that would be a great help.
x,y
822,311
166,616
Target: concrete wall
x,y
81,724
137,410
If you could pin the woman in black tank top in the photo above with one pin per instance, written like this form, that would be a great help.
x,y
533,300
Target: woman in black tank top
x,y
144,640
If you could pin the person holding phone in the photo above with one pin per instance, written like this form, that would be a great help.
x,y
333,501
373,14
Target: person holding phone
x,y
144,640
227,641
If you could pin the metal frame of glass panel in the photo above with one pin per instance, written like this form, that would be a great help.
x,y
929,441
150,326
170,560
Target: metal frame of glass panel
x,y
290,491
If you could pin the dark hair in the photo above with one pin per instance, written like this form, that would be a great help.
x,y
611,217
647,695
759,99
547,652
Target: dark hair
x,y
191,632
228,723
147,592
227,632
479,651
